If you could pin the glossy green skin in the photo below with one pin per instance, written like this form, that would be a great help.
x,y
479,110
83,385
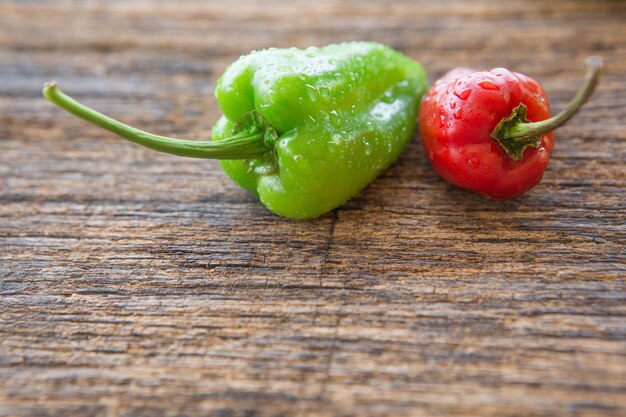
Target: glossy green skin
x,y
341,114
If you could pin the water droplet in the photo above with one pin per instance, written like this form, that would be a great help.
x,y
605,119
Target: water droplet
x,y
368,148
324,91
332,61
387,97
334,117
453,105
369,125
462,150
312,122
485,169
334,142
284,68
431,155
462,94
473,162
488,85
266,82
288,54
458,114
312,92
442,122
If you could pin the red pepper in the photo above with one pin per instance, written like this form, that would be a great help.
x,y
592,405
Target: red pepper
x,y
491,131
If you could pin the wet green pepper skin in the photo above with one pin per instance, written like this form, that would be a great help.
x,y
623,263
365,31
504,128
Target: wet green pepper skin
x,y
334,117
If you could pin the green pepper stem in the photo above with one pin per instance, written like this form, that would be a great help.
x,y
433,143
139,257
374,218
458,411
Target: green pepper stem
x,y
515,133
241,146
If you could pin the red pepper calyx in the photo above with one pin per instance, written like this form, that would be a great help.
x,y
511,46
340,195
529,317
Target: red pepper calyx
x,y
515,145
515,133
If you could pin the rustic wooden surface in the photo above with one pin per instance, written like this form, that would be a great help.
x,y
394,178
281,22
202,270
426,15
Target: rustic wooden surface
x,y
139,284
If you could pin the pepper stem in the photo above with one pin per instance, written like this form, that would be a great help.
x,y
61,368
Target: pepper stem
x,y
247,144
516,134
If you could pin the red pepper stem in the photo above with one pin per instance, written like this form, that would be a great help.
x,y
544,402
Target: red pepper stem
x,y
248,144
516,134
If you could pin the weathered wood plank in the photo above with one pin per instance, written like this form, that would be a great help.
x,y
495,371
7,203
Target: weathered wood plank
x,y
135,283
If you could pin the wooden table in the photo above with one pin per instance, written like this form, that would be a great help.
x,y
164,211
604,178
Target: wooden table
x,y
140,284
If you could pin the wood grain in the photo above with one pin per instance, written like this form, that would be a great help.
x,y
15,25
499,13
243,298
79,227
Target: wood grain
x,y
140,284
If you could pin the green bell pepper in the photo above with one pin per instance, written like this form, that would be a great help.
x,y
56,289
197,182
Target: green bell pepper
x,y
304,130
